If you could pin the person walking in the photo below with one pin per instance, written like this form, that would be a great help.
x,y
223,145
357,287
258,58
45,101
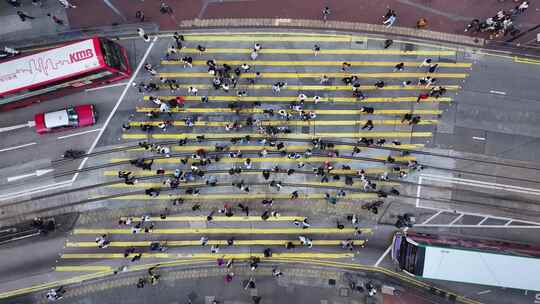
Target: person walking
x,y
37,3
150,69
139,15
399,67
66,4
368,125
23,16
179,39
316,49
388,43
421,23
390,18
56,20
143,35
325,13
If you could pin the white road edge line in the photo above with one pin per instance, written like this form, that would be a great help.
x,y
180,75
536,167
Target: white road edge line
x,y
18,147
36,190
77,134
482,184
106,87
381,258
128,86
418,191
481,226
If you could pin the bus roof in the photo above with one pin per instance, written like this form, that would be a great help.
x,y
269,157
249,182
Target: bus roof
x,y
481,268
50,65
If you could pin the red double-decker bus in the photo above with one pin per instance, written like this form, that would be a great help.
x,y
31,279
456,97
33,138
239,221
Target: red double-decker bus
x,y
61,70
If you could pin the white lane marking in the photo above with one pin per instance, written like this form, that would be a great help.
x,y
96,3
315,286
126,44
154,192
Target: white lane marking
x,y
479,138
106,87
381,258
482,221
482,184
418,190
38,172
456,219
432,217
17,147
497,92
29,124
35,190
77,134
484,292
127,87
482,226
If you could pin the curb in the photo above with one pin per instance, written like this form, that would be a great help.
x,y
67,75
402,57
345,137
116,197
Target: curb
x,y
333,25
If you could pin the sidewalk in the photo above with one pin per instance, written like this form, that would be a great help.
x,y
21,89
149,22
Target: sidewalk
x,y
439,14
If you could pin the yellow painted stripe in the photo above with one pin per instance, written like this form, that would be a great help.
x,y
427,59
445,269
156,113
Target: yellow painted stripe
x,y
312,255
336,64
318,87
294,98
329,184
289,148
176,160
297,123
224,230
221,219
266,38
370,170
287,75
212,50
242,196
89,268
526,60
210,242
317,111
400,134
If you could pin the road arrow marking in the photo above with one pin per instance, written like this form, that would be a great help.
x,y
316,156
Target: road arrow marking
x,y
29,124
38,172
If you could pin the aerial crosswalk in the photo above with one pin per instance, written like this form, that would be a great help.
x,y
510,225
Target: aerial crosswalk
x,y
219,141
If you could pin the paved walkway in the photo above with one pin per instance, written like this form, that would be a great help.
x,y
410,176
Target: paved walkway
x,y
442,16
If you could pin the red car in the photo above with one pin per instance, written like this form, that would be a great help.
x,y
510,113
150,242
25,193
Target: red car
x,y
68,118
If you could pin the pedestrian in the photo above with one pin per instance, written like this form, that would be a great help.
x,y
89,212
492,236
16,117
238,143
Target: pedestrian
x,y
257,47
379,84
23,16
305,241
201,49
143,35
66,4
164,8
421,23
254,54
433,67
390,18
245,67
55,19
324,79
345,66
14,3
399,67
388,43
193,91
316,99
325,13
187,61
139,15
406,83
425,63
178,39
38,3
422,96
316,49
276,273
367,110
368,125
